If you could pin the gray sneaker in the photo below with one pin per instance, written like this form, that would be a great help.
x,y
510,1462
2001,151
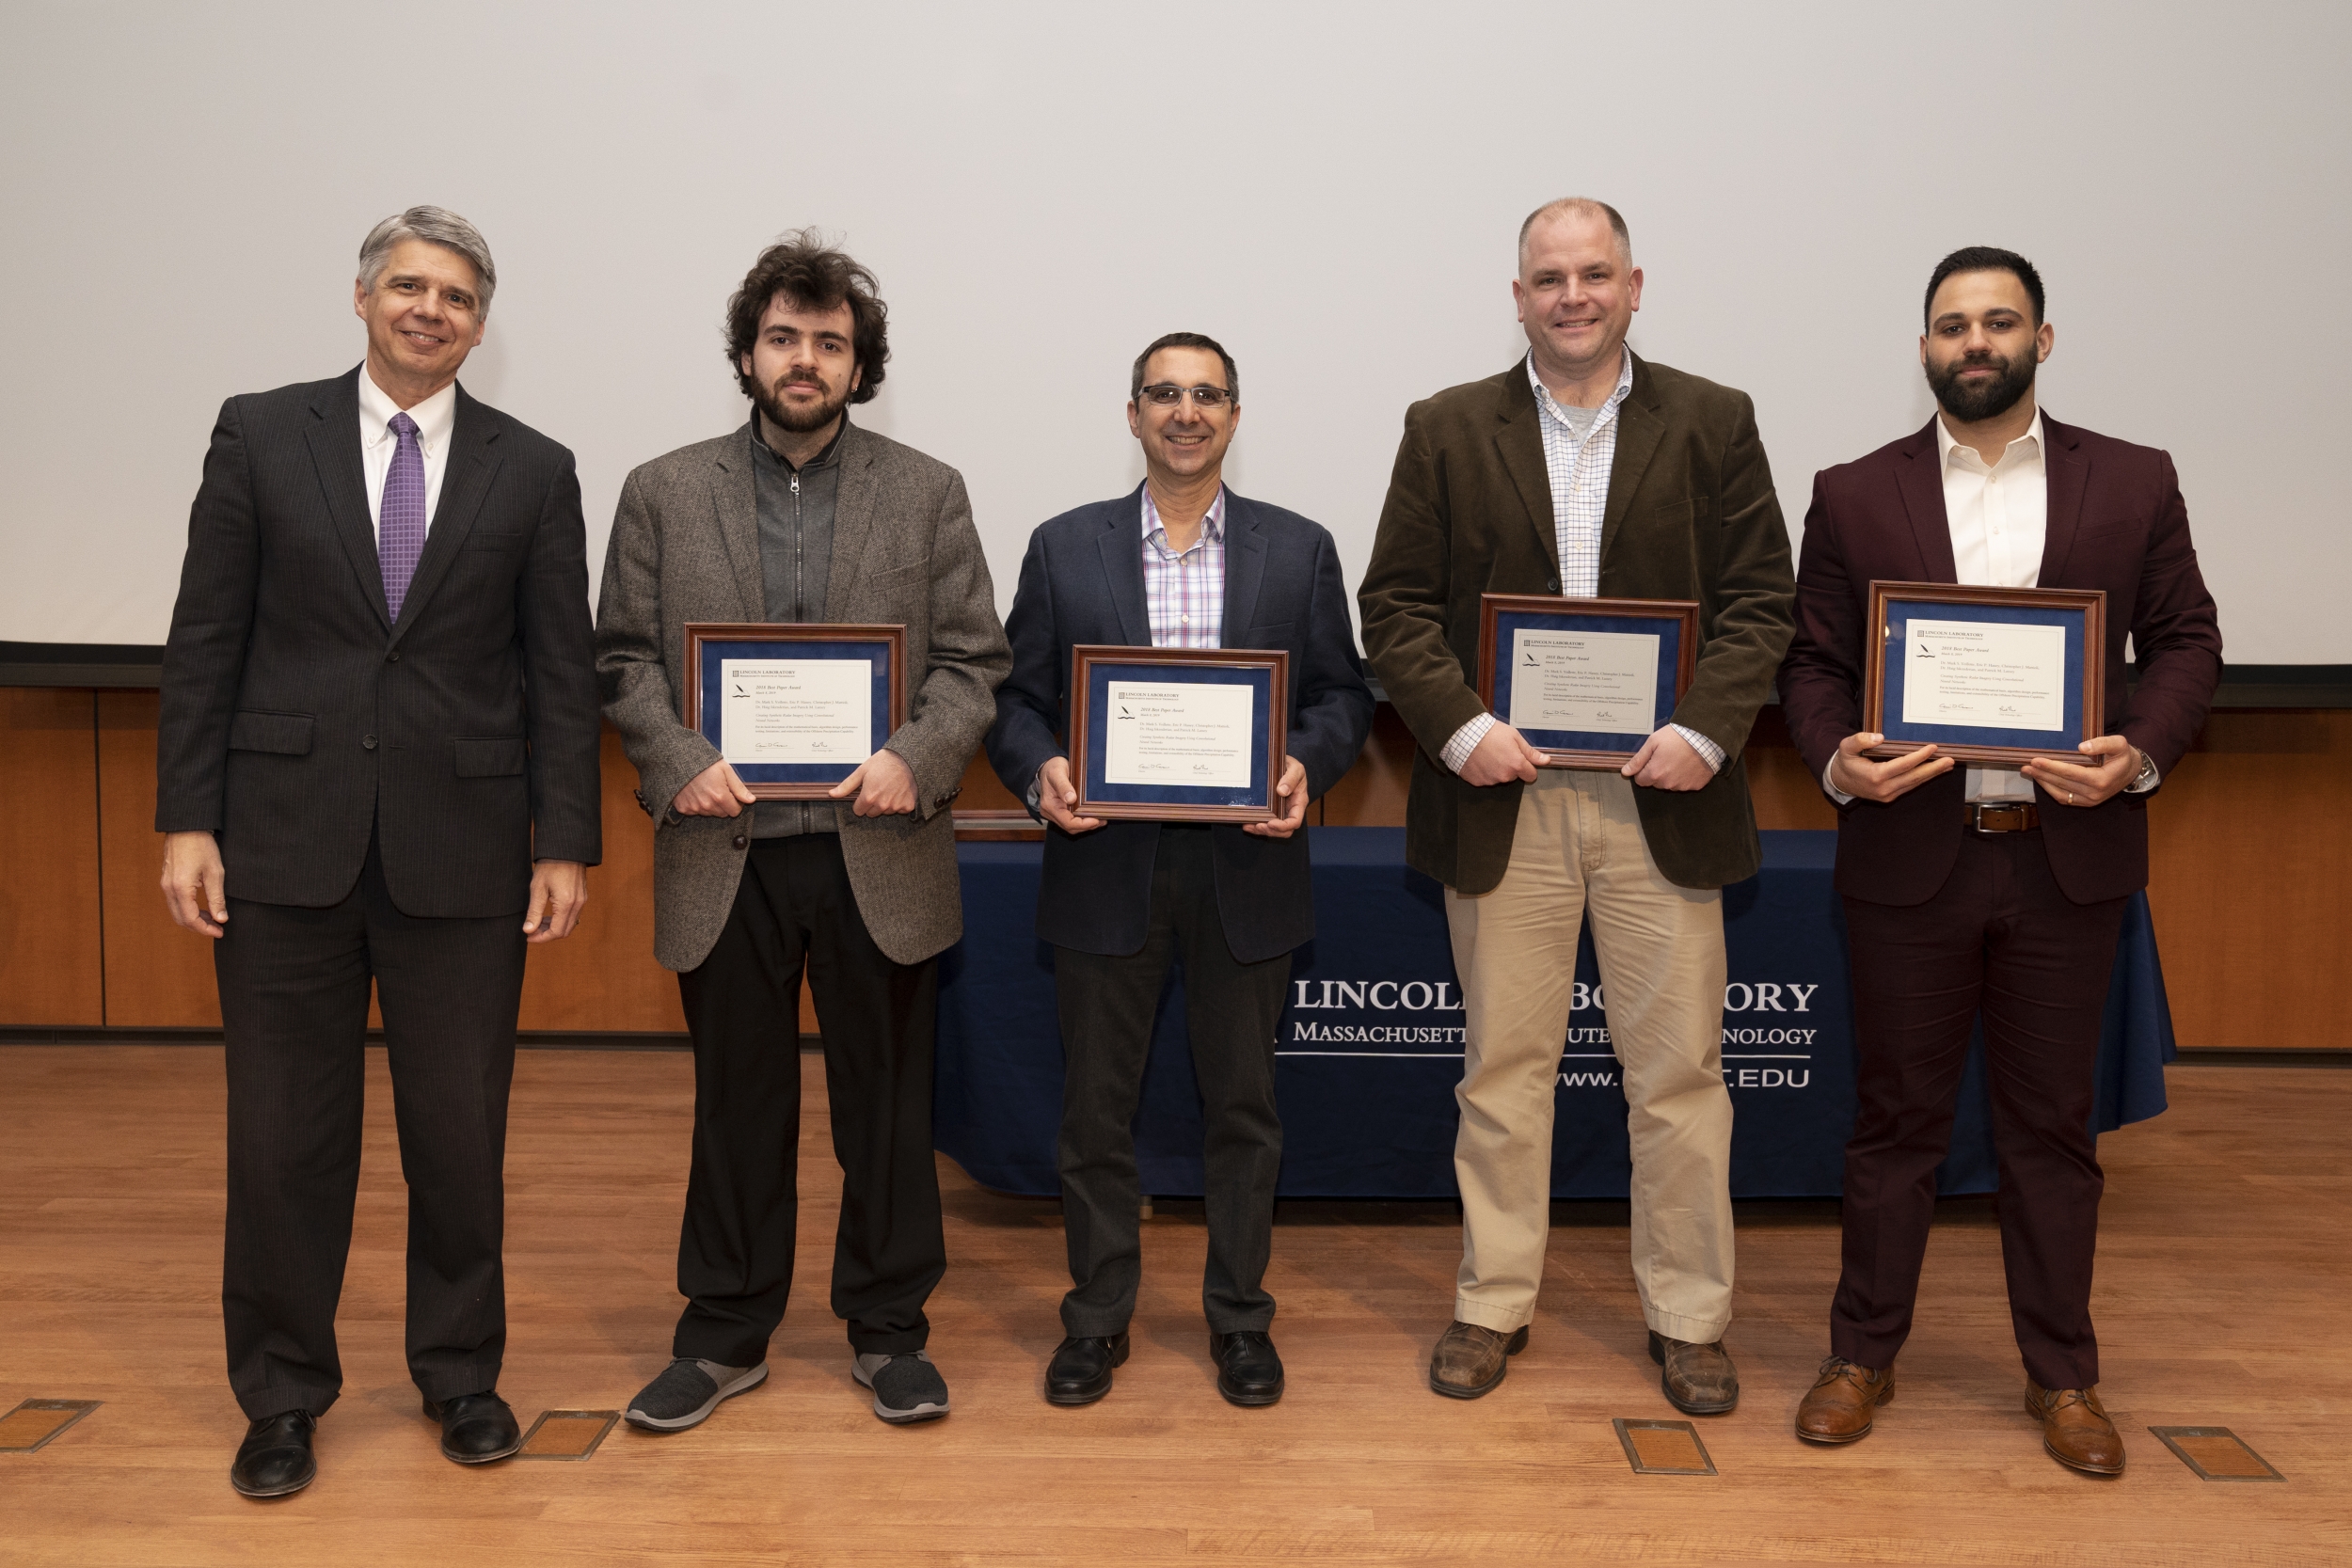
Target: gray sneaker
x,y
906,1387
688,1390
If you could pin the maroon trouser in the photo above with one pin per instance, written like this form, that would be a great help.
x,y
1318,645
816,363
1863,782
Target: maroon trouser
x,y
1999,938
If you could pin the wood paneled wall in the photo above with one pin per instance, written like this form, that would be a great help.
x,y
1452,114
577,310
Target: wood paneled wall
x,y
2252,887
2250,845
51,971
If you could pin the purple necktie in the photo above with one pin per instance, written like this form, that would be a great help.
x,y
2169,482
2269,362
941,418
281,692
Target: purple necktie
x,y
400,533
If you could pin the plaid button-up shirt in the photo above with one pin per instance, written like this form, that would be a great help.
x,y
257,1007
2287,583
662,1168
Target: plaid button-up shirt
x,y
1579,465
1186,594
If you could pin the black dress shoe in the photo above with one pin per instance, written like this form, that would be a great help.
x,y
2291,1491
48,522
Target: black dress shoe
x,y
476,1428
1080,1372
1247,1370
275,1458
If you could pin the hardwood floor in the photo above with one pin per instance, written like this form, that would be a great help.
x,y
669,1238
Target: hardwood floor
x,y
2222,1284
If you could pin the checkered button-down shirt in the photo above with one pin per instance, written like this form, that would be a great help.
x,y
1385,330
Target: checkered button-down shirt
x,y
1186,594
1578,463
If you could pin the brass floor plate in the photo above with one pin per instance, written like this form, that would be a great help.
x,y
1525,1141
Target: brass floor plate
x,y
566,1434
1664,1448
34,1422
2215,1454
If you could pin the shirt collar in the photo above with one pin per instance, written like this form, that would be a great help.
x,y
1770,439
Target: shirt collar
x,y
1212,525
1545,400
2031,443
833,448
436,416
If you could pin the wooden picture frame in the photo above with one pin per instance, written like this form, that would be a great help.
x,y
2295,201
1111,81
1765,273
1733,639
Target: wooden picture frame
x,y
708,641
1500,615
2082,611
1265,671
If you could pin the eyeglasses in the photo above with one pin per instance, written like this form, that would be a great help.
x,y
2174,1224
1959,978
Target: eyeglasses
x,y
1164,394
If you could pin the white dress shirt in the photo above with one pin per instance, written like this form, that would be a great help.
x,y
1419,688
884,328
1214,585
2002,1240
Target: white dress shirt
x,y
437,420
1999,518
1579,455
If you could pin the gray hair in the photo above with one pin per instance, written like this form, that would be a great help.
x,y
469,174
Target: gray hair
x,y
1588,207
436,226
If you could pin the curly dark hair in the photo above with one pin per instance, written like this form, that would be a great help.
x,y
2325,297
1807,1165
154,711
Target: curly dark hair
x,y
813,274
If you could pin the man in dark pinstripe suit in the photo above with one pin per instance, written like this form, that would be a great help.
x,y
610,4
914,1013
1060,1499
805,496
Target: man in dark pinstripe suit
x,y
376,769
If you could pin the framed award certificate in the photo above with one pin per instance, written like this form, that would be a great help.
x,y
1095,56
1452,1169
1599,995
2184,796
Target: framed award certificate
x,y
1585,680
794,708
1178,734
1992,675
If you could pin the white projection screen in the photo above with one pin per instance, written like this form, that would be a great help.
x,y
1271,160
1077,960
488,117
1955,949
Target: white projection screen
x,y
1331,190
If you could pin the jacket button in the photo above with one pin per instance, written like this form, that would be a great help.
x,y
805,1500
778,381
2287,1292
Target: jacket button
x,y
367,742
392,657
740,840
1551,585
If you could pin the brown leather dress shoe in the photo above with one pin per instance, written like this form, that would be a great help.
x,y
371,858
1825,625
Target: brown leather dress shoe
x,y
1698,1380
1471,1360
1844,1401
2076,1429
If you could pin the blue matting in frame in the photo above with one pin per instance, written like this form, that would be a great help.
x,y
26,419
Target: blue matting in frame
x,y
715,651
1509,622
1260,681
1901,612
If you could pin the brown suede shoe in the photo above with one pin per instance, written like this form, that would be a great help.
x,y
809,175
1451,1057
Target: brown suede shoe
x,y
1471,1360
1698,1380
1844,1401
2076,1429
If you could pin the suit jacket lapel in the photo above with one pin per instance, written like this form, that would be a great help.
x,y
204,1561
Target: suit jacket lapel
x,y
473,463
334,436
735,500
1244,570
1921,480
1519,442
2067,473
1121,544
853,519
1641,428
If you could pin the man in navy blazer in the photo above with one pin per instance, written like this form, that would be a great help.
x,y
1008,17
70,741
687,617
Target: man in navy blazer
x,y
1179,562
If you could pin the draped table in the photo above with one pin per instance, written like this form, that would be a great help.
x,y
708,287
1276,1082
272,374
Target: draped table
x,y
1370,1046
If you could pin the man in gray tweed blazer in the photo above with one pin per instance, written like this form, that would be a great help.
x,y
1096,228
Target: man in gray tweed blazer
x,y
800,516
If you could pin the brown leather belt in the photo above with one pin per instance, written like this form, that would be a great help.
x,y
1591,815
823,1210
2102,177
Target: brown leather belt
x,y
1993,817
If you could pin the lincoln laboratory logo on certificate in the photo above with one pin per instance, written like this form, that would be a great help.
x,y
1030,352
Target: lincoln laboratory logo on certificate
x,y
1768,1040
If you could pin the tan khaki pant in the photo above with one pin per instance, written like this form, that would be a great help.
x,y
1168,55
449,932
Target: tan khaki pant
x,y
1578,843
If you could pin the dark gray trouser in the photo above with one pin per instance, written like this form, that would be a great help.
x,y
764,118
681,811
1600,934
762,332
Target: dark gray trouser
x,y
1107,1005
293,1003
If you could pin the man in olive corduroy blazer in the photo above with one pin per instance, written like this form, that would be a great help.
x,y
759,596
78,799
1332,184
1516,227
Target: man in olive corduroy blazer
x,y
1587,470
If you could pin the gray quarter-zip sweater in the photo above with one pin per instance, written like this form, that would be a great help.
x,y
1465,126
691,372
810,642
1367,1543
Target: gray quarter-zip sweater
x,y
796,508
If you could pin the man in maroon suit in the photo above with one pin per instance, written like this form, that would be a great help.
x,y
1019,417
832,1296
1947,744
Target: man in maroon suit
x,y
1972,890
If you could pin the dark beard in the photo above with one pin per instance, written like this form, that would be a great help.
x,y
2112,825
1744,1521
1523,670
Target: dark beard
x,y
799,421
1970,405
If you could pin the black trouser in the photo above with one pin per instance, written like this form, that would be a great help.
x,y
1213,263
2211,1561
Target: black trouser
x,y
878,1020
1999,938
1107,1005
294,1003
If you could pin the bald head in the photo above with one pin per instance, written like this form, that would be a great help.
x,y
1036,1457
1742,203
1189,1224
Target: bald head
x,y
1577,206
